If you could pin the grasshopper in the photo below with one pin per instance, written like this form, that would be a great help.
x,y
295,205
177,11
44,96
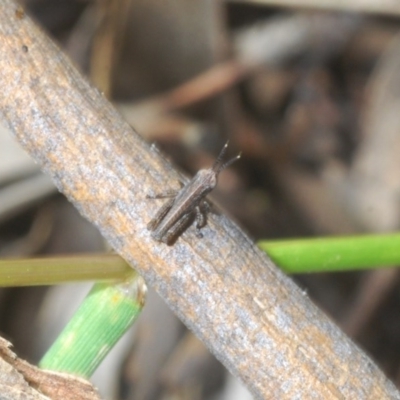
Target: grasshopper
x,y
177,211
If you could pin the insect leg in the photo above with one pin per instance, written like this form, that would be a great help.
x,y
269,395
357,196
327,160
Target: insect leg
x,y
174,231
205,207
201,217
161,213
165,195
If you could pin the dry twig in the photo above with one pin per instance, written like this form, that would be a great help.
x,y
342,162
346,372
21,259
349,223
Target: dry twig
x,y
252,317
20,380
385,7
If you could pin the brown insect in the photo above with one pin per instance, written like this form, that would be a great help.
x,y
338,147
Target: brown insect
x,y
177,211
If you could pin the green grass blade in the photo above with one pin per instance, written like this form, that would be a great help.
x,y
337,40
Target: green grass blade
x,y
103,317
56,270
334,253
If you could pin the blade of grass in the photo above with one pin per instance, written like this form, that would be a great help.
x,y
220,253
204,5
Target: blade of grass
x,y
56,270
293,256
103,317
334,253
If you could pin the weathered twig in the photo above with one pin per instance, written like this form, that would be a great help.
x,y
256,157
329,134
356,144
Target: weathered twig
x,y
252,317
21,380
386,7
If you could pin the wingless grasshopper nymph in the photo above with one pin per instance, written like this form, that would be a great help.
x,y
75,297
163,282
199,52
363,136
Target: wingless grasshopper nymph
x,y
174,215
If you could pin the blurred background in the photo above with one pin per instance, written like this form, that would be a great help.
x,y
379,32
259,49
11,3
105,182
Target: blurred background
x,y
310,95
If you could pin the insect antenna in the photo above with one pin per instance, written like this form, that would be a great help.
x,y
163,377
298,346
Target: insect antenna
x,y
218,162
219,165
231,161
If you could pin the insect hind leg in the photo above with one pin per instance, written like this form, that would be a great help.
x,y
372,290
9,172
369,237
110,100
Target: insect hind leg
x,y
173,233
162,212
165,195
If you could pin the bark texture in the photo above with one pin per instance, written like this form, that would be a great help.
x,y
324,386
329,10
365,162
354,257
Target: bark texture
x,y
251,316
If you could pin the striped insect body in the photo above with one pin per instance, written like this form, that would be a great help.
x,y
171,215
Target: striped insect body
x,y
176,213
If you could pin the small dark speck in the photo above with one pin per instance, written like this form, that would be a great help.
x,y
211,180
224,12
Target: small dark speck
x,y
19,12
25,49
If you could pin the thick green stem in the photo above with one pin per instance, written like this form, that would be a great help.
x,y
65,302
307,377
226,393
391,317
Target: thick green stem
x,y
104,316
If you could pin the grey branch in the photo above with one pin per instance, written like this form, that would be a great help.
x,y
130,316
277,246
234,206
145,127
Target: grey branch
x,y
252,317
